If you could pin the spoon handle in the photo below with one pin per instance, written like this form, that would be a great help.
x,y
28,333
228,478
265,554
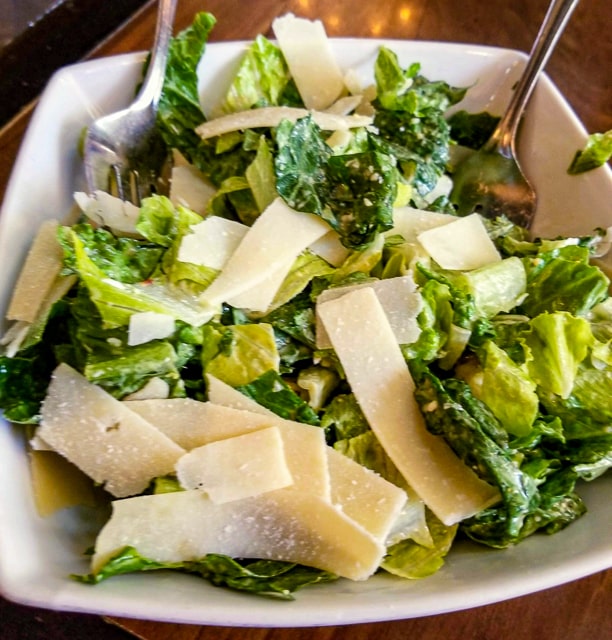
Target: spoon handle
x,y
151,88
556,18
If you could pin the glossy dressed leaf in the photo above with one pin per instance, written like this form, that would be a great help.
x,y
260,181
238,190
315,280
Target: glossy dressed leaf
x,y
272,392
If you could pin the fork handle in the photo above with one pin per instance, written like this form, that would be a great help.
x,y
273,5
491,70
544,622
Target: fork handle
x,y
153,82
557,15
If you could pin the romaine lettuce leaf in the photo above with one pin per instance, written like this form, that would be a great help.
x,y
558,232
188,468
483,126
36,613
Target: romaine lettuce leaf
x,y
234,200
508,391
300,165
354,192
124,259
117,301
586,412
461,298
557,343
451,410
557,506
273,392
435,320
260,80
497,287
596,152
563,280
306,267
261,177
319,383
129,371
295,318
409,559
179,111
23,383
239,354
410,117
263,577
162,223
343,419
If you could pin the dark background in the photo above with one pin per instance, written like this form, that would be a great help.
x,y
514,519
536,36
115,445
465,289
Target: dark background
x,y
39,36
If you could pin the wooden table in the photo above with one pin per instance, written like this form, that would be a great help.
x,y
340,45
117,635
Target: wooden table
x,y
581,69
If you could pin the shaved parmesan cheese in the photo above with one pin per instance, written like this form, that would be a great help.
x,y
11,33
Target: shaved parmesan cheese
x,y
463,244
310,58
305,447
363,495
148,325
211,242
183,420
102,437
220,392
368,351
330,248
20,331
192,424
108,211
273,116
260,297
278,235
399,299
38,274
409,222
283,525
189,188
344,105
155,388
238,467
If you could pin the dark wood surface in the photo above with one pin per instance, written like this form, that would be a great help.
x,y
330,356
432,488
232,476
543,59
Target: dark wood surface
x,y
580,67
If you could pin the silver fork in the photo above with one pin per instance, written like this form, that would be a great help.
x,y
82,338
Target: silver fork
x,y
123,152
491,181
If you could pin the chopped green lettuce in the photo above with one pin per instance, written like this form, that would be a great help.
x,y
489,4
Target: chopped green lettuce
x,y
353,192
508,391
272,392
471,429
558,343
134,367
260,176
596,152
124,259
262,577
162,223
497,287
411,119
179,111
239,354
261,78
563,280
409,559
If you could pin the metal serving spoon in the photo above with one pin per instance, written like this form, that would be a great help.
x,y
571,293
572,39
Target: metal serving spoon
x,y
123,152
490,181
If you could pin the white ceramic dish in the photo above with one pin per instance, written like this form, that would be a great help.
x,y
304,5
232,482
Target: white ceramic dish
x,y
37,555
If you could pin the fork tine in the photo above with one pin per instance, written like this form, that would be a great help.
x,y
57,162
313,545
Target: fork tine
x,y
136,195
115,183
126,185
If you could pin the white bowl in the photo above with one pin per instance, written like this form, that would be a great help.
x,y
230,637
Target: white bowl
x,y
38,554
